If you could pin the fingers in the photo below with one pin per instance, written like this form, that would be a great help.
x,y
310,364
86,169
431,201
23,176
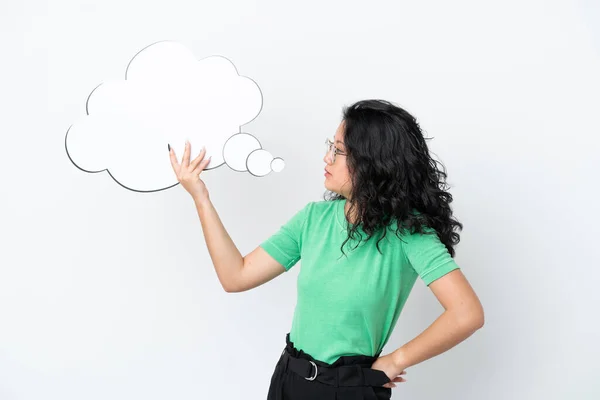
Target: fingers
x,y
193,168
198,159
201,166
397,379
186,155
174,162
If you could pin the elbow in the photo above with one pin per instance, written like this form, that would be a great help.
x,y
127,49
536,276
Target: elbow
x,y
479,316
231,288
478,321
232,282
472,319
228,287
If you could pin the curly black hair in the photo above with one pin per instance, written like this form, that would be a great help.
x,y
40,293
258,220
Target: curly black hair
x,y
394,178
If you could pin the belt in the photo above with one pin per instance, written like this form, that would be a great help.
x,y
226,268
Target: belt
x,y
343,375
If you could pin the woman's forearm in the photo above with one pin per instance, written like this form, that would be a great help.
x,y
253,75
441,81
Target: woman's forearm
x,y
226,257
448,330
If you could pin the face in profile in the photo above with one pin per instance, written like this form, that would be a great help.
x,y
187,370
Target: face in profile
x,y
337,175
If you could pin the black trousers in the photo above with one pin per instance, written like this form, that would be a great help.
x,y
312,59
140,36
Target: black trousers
x,y
298,376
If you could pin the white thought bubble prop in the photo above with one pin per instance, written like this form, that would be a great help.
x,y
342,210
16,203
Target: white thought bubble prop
x,y
167,96
238,148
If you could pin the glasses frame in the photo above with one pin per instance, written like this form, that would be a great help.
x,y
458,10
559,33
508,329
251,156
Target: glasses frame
x,y
332,151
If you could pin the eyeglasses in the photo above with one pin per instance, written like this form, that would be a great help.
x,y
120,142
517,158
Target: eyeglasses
x,y
332,151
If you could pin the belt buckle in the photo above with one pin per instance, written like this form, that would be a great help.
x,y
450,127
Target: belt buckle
x,y
312,378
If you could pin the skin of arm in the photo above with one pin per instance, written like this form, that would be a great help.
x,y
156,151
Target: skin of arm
x,y
235,273
462,316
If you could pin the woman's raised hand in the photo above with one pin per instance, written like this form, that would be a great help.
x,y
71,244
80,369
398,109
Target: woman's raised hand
x,y
188,173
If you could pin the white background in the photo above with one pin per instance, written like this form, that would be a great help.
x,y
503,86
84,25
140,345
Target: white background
x,y
107,293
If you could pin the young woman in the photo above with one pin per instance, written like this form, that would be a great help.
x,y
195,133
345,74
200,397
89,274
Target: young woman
x,y
385,221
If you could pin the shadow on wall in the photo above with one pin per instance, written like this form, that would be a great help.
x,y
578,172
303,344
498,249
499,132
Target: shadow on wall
x,y
168,97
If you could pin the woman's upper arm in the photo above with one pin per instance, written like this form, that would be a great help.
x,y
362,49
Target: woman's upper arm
x,y
456,295
259,267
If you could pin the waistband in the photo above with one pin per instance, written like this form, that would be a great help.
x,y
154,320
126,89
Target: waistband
x,y
345,371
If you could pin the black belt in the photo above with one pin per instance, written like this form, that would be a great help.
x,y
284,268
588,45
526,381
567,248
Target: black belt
x,y
344,375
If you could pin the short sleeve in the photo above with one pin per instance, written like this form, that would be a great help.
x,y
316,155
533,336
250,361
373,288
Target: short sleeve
x,y
285,245
428,256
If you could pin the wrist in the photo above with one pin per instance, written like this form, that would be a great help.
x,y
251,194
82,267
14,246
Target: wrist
x,y
201,201
399,359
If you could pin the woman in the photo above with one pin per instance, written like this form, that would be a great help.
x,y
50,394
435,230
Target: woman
x,y
386,221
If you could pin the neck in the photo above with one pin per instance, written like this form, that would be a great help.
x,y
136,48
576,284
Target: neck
x,y
351,218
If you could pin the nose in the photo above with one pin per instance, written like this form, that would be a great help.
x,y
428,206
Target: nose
x,y
327,159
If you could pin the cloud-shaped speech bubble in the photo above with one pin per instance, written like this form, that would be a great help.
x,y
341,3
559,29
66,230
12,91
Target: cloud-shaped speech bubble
x,y
168,97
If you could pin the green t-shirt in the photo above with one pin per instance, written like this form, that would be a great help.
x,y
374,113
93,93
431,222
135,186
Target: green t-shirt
x,y
350,305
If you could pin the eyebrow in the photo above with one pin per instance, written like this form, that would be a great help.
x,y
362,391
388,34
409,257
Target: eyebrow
x,y
339,141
